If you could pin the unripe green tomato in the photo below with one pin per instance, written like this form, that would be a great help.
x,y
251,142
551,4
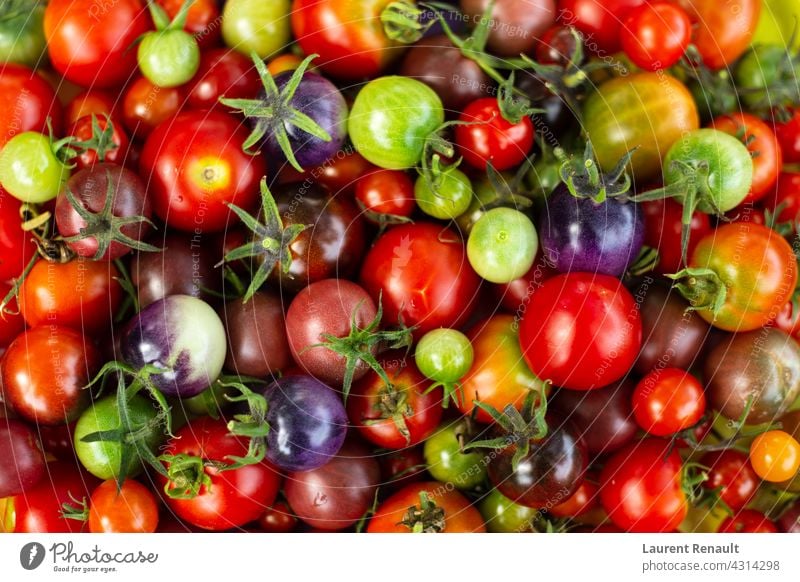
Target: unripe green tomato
x,y
29,170
444,355
256,26
22,37
449,199
168,58
504,516
446,462
502,245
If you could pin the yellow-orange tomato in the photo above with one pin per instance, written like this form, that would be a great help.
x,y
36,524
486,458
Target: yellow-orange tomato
x,y
775,456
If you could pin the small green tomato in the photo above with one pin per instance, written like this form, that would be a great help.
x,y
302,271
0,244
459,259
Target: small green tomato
x,y
502,245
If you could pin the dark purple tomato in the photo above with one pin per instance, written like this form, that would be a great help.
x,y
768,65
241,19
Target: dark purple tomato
x,y
22,463
339,493
762,365
789,521
308,423
320,100
578,234
672,335
603,418
515,25
181,335
457,79
91,188
256,331
184,266
556,117
552,470
327,307
333,243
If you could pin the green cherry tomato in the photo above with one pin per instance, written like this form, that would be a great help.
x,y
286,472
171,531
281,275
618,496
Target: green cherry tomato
x,y
103,459
502,245
168,58
448,464
504,516
390,120
723,166
444,355
765,79
449,199
256,26
22,34
30,170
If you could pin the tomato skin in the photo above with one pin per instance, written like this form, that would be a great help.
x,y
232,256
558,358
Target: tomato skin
x,y
347,34
788,135
44,372
662,231
196,166
655,35
81,294
16,246
235,497
491,138
340,174
649,110
640,487
202,20
421,272
722,36
787,195
748,521
421,411
731,474
97,101
599,21
460,516
26,101
385,192
88,41
38,510
132,509
667,401
583,500
761,140
757,267
581,331
11,324
145,106
222,72
775,456
499,375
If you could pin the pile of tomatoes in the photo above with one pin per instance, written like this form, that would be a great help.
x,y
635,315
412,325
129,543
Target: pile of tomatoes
x,y
390,266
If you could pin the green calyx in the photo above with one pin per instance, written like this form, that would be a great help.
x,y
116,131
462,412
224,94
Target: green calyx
x,y
251,425
161,18
714,89
275,112
427,517
360,345
104,226
702,288
513,107
186,476
521,428
393,404
270,243
401,22
101,142
75,509
584,179
693,475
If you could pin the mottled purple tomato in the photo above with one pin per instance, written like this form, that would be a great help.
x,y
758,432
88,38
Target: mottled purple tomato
x,y
256,332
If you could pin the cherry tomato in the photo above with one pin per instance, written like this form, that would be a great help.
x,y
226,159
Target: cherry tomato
x,y
600,21
87,102
341,173
131,508
786,199
145,106
656,35
81,294
748,521
662,230
89,41
26,102
447,511
731,476
721,36
197,167
384,194
222,72
11,322
202,20
763,147
775,456
788,135
583,500
44,373
667,401
640,487
16,246
489,137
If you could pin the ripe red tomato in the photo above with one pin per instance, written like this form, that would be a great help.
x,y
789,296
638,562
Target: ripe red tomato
x,y
81,294
340,174
599,21
399,415
202,20
640,487
583,500
788,135
226,499
384,194
400,513
44,373
197,167
131,508
489,137
667,401
722,34
16,245
656,35
26,101
581,331
82,130
421,273
787,196
222,72
662,231
38,510
145,106
731,476
89,42
11,324
87,102
762,145
748,521
347,35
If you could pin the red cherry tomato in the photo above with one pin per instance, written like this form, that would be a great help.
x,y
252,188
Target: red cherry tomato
x,y
202,20
656,35
667,401
145,106
788,135
90,101
385,194
16,245
222,72
748,521
488,137
82,130
662,231
599,21
131,508
26,102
